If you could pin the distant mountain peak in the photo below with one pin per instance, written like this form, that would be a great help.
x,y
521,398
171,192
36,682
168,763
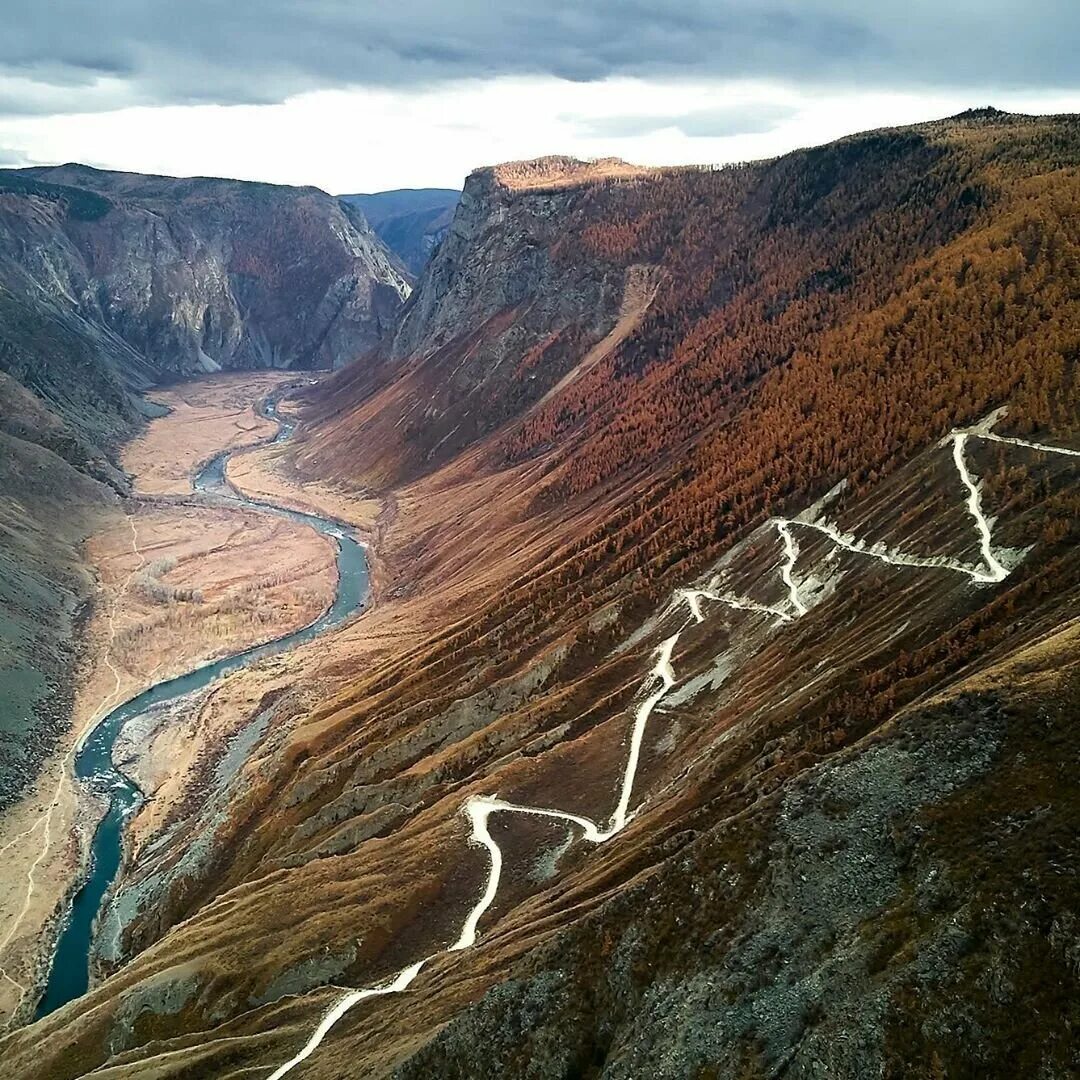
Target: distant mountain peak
x,y
410,221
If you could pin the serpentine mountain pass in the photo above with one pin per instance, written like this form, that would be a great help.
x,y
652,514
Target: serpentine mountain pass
x,y
610,621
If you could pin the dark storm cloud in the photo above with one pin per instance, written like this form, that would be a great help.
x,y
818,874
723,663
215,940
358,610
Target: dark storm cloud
x,y
749,119
162,51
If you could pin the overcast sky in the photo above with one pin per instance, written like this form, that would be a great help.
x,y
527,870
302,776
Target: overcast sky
x,y
354,95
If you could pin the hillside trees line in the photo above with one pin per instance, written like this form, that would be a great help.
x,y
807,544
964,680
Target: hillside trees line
x,y
822,318
808,334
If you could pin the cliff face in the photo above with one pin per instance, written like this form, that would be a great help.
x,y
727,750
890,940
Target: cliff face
x,y
203,274
505,250
497,256
502,313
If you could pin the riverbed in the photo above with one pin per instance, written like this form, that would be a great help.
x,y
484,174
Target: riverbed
x,y
70,972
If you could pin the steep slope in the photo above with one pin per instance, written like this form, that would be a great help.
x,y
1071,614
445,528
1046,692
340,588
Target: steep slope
x,y
411,222
714,718
199,274
63,412
47,509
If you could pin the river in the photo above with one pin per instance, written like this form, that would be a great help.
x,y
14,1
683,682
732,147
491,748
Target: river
x,y
69,975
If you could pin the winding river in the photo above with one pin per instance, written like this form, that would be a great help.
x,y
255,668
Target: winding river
x,y
69,975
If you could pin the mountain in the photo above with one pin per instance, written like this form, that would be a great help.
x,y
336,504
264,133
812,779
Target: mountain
x,y
110,283
411,222
503,312
56,485
199,274
65,408
715,715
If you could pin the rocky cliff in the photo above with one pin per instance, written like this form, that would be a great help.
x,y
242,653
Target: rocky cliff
x,y
504,311
200,274
495,255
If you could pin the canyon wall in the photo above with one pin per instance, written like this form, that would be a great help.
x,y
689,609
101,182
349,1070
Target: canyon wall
x,y
200,274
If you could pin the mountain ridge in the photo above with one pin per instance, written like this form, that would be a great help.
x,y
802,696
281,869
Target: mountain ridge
x,y
210,265
410,221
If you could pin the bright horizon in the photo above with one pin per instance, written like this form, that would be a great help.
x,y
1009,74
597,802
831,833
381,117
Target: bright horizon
x,y
243,141
356,97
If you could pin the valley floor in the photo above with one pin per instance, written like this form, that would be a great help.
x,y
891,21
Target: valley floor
x,y
179,585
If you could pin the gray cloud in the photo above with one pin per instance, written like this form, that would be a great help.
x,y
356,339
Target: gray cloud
x,y
257,51
14,159
745,119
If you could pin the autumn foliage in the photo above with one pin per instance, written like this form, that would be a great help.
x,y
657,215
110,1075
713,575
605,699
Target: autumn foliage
x,y
824,317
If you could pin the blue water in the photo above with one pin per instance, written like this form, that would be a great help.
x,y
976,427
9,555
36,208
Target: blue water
x,y
69,976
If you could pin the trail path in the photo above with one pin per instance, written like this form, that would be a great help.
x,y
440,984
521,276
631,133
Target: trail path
x,y
661,678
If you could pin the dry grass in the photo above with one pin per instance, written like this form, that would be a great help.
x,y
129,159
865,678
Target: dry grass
x,y
206,416
557,171
179,586
219,581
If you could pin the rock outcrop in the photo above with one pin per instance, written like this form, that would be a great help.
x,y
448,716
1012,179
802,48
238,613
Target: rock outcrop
x,y
199,274
503,312
497,255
